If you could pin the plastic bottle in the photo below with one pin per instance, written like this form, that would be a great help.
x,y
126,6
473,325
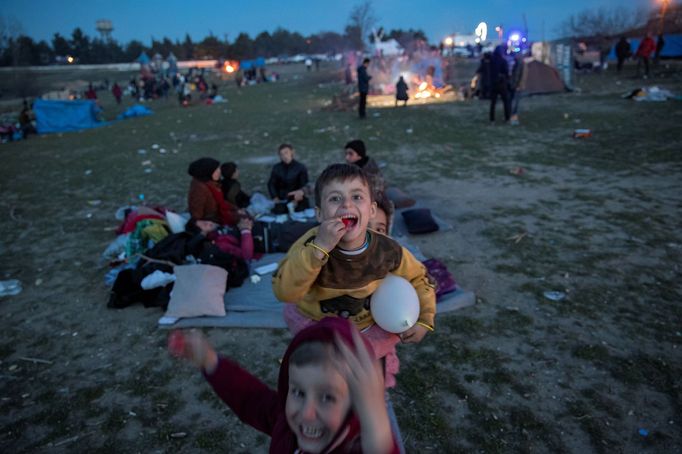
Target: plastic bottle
x,y
10,287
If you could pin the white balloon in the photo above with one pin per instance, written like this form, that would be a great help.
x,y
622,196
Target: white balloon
x,y
395,305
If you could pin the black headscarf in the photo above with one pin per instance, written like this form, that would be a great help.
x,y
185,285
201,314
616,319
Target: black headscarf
x,y
202,169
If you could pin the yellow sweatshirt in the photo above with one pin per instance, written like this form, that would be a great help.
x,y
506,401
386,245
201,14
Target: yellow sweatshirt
x,y
342,284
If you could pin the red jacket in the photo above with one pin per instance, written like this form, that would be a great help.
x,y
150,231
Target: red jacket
x,y
263,408
206,202
646,47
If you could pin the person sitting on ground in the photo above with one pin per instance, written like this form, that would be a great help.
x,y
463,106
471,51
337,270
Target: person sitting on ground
x,y
333,269
286,178
205,198
329,396
26,120
381,222
237,242
401,92
232,189
356,153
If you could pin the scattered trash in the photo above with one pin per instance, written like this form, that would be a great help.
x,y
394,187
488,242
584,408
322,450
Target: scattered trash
x,y
178,435
409,130
265,134
88,172
162,150
94,203
146,163
518,237
566,116
141,197
643,432
650,94
141,151
247,142
554,295
376,114
294,128
582,133
309,111
147,170
89,215
38,282
10,287
255,279
518,171
155,146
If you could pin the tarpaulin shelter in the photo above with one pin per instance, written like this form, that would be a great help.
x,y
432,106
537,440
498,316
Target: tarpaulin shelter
x,y
61,116
249,64
539,78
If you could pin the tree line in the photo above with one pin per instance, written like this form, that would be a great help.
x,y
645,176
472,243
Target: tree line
x,y
22,50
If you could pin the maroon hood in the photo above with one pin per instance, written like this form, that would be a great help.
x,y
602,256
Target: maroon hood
x,y
322,331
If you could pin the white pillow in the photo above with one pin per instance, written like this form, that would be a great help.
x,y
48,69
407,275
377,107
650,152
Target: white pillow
x,y
198,290
175,222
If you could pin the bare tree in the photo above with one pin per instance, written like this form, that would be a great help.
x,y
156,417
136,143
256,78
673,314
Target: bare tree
x,y
361,21
604,21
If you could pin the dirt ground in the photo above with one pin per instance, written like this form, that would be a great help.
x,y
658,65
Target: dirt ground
x,y
598,219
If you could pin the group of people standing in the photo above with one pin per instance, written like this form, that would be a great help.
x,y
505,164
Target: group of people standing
x,y
647,47
497,80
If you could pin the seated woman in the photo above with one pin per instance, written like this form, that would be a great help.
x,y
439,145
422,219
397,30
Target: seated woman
x,y
356,153
232,189
205,198
286,178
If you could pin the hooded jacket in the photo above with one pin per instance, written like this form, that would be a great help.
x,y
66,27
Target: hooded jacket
x,y
264,408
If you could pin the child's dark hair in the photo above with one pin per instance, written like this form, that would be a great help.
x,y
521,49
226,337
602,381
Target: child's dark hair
x,y
192,227
313,353
228,169
341,172
385,204
283,146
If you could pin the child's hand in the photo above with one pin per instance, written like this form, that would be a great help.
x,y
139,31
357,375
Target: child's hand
x,y
193,346
245,224
330,233
365,381
297,194
414,335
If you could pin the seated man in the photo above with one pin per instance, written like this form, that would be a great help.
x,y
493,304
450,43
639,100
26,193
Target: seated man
x,y
287,177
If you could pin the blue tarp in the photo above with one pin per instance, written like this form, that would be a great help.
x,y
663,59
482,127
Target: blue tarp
x,y
248,64
60,116
671,48
138,110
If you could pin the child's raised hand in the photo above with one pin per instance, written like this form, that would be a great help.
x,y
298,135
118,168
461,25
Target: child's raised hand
x,y
413,335
366,385
330,233
194,347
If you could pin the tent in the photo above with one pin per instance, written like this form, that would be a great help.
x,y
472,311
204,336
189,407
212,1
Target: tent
x,y
60,116
539,78
250,64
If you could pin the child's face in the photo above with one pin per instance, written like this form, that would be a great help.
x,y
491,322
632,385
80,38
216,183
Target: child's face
x,y
348,199
317,405
352,156
379,223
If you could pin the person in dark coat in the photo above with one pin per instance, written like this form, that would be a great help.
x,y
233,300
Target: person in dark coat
x,y
623,52
356,153
286,178
401,92
484,81
232,189
499,76
117,92
660,42
363,87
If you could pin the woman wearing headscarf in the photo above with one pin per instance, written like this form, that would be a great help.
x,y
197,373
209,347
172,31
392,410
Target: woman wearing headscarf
x,y
205,198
